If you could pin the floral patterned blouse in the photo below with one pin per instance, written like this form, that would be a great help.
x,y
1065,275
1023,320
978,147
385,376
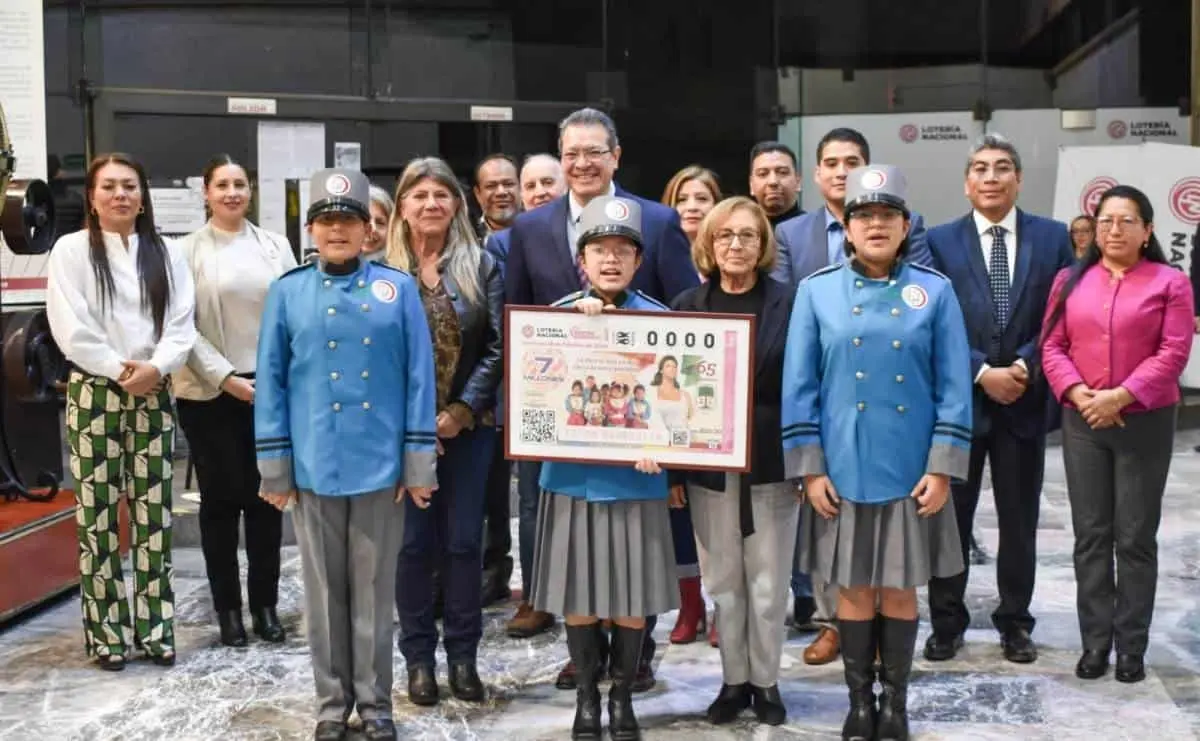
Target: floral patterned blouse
x,y
447,351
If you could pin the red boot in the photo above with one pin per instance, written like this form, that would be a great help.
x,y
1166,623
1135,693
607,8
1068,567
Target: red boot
x,y
693,619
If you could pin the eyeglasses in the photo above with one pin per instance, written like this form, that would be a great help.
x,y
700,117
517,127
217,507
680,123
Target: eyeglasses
x,y
887,216
619,251
584,155
1125,222
748,238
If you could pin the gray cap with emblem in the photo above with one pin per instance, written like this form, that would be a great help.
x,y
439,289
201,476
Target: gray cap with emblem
x,y
339,190
883,184
610,216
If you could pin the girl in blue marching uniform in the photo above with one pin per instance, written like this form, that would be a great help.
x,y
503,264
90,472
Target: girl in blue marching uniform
x,y
876,421
603,548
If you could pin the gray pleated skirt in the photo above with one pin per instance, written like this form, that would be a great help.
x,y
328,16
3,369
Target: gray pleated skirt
x,y
879,545
605,559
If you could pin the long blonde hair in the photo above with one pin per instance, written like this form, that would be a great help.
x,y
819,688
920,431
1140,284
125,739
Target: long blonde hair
x,y
461,253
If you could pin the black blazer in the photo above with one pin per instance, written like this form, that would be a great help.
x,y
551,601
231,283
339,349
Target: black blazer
x,y
481,360
766,446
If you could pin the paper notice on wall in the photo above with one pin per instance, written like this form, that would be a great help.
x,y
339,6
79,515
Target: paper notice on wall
x,y
286,150
347,155
178,211
23,95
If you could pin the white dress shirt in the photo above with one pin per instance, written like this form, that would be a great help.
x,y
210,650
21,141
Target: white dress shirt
x,y
574,211
98,339
983,226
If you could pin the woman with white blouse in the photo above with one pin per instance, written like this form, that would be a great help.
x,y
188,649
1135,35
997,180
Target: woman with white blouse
x,y
119,300
232,263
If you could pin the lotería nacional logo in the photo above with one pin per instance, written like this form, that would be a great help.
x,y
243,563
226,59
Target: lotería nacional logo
x,y
1089,199
1185,200
910,133
337,185
1117,129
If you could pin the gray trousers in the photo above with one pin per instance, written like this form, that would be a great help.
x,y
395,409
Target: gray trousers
x,y
826,597
747,578
348,548
1115,481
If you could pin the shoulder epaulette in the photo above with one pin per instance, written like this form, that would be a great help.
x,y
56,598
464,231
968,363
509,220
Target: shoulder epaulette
x,y
826,270
299,268
652,300
569,299
927,269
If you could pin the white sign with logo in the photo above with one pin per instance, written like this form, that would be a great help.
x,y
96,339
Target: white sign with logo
x,y
929,148
1169,175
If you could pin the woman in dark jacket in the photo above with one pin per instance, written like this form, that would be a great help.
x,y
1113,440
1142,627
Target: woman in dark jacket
x,y
431,237
746,523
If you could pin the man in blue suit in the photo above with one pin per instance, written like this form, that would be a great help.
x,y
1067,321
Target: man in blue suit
x,y
1002,262
542,268
806,244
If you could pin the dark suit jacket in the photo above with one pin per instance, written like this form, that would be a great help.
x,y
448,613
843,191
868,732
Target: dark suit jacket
x,y
804,246
766,452
481,360
541,267
497,246
1043,248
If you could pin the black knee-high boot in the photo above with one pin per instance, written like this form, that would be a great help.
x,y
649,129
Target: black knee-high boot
x,y
583,643
625,653
897,641
858,660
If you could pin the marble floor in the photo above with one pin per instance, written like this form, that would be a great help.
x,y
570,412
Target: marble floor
x,y
49,691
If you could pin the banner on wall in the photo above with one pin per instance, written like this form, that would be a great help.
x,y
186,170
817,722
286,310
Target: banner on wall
x,y
1169,175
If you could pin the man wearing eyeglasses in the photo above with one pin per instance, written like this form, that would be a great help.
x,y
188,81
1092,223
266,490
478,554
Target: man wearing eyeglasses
x,y
542,268
1002,262
806,244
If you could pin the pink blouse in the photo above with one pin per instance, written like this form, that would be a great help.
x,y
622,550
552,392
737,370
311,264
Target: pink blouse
x,y
1134,331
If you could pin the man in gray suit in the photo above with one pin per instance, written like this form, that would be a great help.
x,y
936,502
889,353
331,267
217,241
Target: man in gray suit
x,y
808,243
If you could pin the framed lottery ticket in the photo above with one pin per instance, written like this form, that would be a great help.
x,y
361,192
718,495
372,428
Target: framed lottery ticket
x,y
625,385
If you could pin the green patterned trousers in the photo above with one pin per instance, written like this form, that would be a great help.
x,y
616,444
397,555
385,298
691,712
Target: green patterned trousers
x,y
121,443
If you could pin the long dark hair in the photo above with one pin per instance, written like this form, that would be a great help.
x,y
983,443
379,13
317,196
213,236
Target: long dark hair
x,y
1153,251
154,277
658,377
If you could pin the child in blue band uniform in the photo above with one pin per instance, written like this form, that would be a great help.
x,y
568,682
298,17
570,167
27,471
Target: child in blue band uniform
x,y
344,429
876,421
603,532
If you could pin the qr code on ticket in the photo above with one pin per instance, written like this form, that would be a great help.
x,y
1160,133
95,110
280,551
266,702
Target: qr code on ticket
x,y
681,438
538,426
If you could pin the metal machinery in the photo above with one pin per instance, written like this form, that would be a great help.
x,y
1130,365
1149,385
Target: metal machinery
x,y
36,523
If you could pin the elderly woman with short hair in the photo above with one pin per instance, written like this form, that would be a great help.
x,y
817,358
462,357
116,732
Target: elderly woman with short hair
x,y
461,288
746,523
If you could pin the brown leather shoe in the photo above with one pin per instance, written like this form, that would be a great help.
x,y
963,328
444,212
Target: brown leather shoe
x,y
824,649
528,622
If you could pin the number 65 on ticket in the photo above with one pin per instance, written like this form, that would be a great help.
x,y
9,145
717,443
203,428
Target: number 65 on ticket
x,y
627,385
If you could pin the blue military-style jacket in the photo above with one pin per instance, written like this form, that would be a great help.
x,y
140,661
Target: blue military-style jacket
x,y
876,382
345,391
607,482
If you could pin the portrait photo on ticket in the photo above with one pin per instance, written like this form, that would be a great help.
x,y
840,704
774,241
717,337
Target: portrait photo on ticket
x,y
623,386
